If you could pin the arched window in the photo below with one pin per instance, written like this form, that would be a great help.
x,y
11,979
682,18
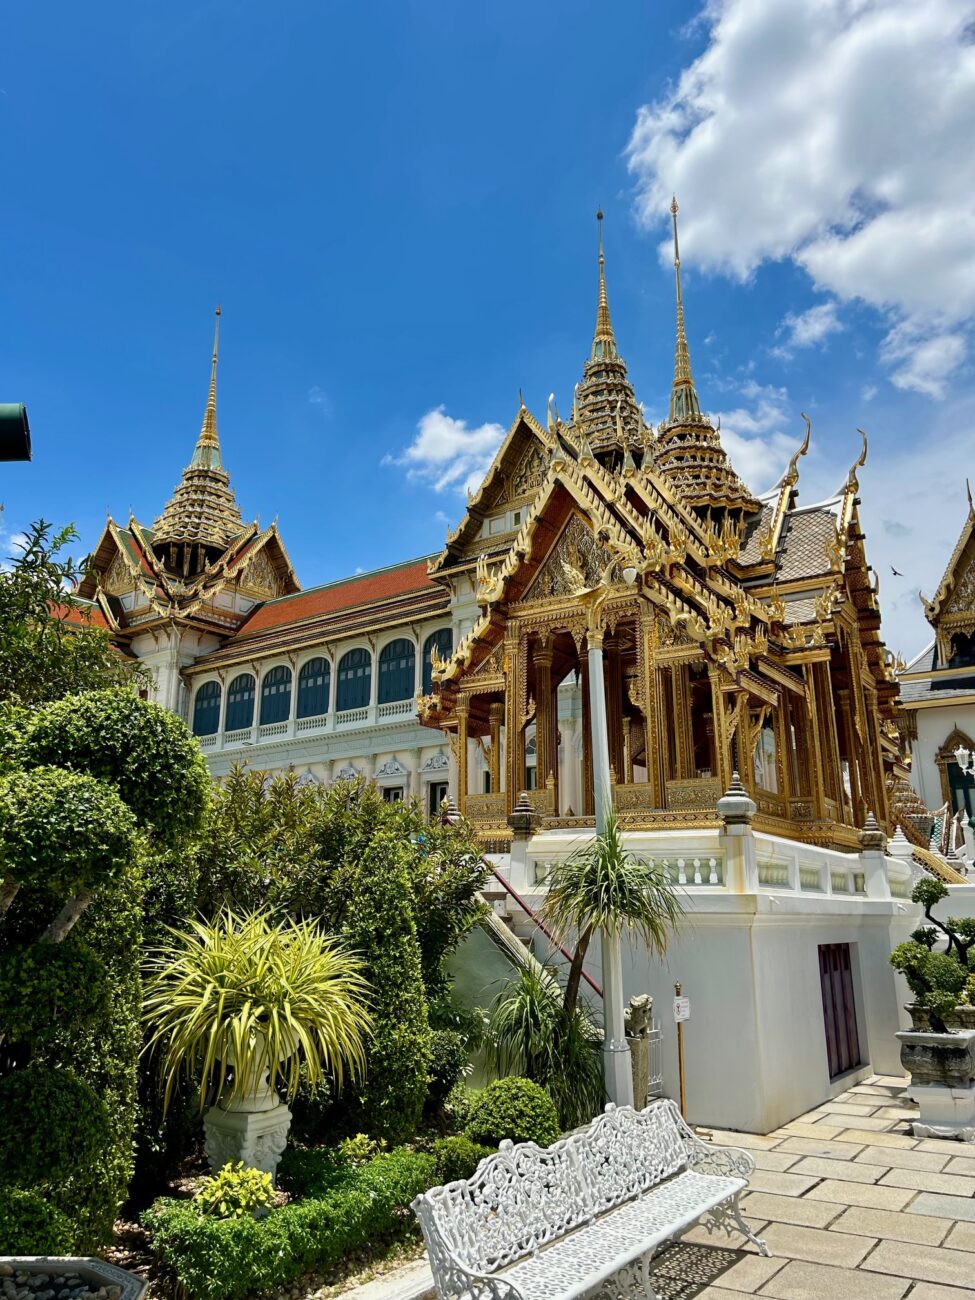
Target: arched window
x,y
355,680
397,671
441,641
206,710
276,695
240,703
313,686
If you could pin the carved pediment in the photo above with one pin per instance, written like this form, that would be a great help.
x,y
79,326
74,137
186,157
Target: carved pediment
x,y
119,580
576,561
962,598
529,472
259,577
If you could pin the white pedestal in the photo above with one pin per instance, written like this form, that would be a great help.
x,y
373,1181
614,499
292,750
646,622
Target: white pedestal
x,y
257,1137
945,1112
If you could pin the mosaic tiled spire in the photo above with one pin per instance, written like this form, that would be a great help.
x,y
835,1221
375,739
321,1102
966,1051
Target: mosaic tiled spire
x,y
688,452
203,509
605,408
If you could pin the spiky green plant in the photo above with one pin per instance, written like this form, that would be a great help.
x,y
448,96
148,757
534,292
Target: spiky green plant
x,y
259,994
603,886
533,1034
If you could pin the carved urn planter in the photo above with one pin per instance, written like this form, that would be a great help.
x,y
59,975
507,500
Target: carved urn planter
x,y
942,1070
253,1127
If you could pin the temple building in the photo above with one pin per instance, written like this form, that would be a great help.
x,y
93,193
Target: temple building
x,y
322,682
747,638
937,703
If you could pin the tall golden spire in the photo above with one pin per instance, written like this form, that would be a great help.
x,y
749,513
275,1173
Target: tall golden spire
x,y
207,451
603,340
683,397
202,514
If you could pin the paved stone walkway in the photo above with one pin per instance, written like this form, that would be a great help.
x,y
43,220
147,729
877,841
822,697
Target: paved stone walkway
x,y
851,1205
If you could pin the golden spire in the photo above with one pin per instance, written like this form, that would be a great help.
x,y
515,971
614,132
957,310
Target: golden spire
x,y
207,450
683,398
603,339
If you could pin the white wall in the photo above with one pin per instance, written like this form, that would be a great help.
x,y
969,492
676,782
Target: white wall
x,y
934,726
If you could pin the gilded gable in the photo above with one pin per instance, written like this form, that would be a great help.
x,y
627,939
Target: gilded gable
x,y
576,561
260,578
119,580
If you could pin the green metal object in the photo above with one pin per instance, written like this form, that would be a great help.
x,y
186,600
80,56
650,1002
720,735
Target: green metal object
x,y
14,431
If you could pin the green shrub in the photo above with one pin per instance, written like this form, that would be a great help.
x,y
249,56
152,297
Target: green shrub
x,y
31,1226
458,1157
359,1150
457,1107
379,924
49,1122
235,1190
229,1259
49,985
62,830
142,748
448,1062
935,978
513,1108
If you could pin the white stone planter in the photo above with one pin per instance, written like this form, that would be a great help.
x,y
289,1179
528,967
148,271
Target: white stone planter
x,y
942,1069
96,1272
252,1128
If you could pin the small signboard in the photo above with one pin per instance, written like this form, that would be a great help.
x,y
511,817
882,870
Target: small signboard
x,y
682,1009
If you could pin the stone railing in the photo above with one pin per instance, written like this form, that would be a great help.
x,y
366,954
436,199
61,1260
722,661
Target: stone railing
x,y
396,709
351,717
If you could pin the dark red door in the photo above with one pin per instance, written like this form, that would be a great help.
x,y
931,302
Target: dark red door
x,y
839,1008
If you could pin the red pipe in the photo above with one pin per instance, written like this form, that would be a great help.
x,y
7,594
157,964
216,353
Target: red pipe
x,y
530,911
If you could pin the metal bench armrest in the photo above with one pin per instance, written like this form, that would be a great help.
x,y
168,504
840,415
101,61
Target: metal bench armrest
x,y
732,1162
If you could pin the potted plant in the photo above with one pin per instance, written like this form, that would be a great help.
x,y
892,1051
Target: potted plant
x,y
246,1006
939,1050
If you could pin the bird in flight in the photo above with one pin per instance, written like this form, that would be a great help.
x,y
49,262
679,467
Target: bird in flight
x,y
896,572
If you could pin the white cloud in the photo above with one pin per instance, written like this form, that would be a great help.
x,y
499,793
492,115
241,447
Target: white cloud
x,y
868,392
835,133
318,397
447,454
753,436
808,329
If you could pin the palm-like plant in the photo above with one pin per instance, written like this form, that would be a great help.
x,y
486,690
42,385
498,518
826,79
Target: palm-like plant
x,y
533,1034
273,999
603,886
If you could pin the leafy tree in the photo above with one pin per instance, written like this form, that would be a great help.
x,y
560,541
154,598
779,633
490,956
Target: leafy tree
x,y
604,886
44,652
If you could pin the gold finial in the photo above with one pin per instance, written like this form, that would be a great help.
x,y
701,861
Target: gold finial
x,y
792,473
208,441
968,489
683,397
604,341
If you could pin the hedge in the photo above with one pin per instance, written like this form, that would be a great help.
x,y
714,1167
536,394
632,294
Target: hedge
x,y
513,1108
228,1259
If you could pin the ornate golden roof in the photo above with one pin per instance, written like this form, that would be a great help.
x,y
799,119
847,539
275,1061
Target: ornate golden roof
x,y
688,451
203,509
605,412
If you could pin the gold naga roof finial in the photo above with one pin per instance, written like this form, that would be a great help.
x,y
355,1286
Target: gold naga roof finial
x,y
683,398
603,339
207,450
968,489
792,473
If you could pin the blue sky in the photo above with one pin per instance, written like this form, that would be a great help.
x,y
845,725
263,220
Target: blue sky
x,y
394,205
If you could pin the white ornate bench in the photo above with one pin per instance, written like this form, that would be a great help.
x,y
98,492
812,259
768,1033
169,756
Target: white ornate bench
x,y
555,1223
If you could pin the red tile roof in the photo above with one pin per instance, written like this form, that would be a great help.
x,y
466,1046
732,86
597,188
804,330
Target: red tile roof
x,y
383,584
82,614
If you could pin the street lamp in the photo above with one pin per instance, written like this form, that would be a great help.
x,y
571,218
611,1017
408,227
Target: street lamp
x,y
617,1070
965,761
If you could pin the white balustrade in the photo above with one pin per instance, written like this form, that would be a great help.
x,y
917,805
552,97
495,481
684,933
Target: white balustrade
x,y
396,709
316,723
271,729
351,717
241,737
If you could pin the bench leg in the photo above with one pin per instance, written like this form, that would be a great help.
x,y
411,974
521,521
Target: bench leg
x,y
735,1209
648,1287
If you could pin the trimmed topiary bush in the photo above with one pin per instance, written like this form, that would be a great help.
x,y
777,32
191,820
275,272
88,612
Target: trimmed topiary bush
x,y
30,1226
235,1190
143,749
513,1108
49,985
50,1122
230,1259
458,1157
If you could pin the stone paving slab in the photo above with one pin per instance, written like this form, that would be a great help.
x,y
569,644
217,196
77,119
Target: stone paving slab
x,y
813,1129
816,1245
793,1209
888,1224
950,1184
877,1138
868,1195
925,1263
944,1207
789,1184
829,1150
778,1160
961,1165
804,1281
862,1122
925,1291
844,1170
895,1158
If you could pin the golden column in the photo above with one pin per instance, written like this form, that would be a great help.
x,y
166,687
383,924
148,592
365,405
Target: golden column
x,y
496,715
462,709
547,760
514,735
587,795
811,735
614,704
719,718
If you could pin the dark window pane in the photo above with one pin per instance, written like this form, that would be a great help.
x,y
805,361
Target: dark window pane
x,y
276,696
240,703
397,671
443,642
354,680
314,681
206,710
